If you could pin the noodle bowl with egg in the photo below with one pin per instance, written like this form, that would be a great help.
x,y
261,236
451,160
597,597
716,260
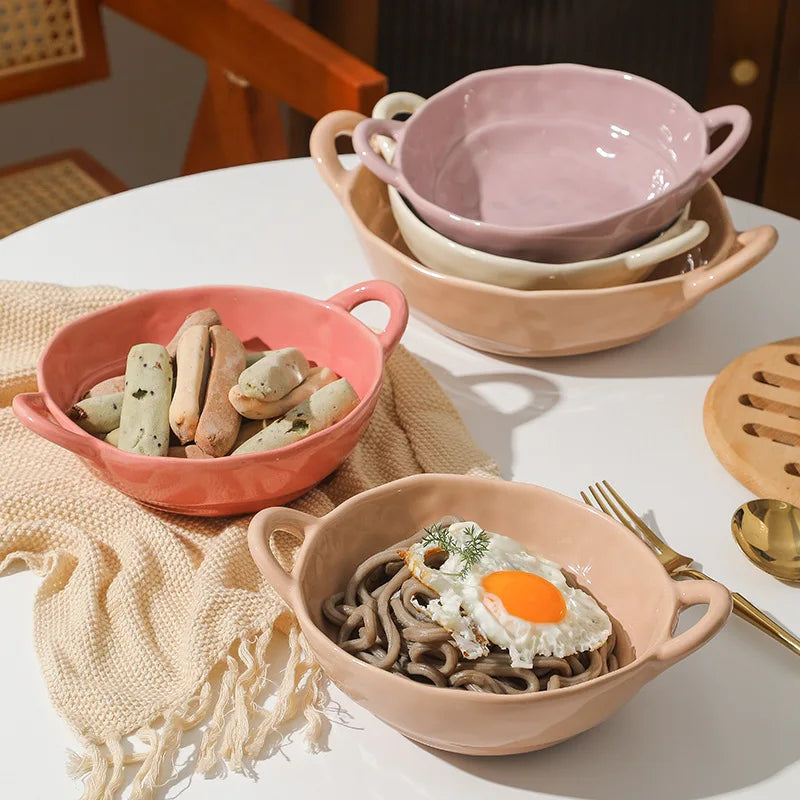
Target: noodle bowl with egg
x,y
455,606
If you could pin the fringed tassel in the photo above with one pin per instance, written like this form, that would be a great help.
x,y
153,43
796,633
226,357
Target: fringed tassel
x,y
96,764
315,698
246,693
117,755
299,691
208,758
231,734
96,782
283,700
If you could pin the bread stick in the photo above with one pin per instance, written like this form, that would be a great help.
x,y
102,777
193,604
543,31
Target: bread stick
x,y
112,437
97,414
108,386
275,375
144,424
219,420
253,408
325,407
205,316
192,362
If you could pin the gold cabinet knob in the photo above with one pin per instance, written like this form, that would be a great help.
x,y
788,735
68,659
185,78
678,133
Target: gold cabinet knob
x,y
744,72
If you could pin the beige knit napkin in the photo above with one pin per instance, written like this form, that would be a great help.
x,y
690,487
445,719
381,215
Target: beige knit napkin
x,y
136,608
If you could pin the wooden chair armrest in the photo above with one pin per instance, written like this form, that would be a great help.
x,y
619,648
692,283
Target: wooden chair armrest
x,y
267,47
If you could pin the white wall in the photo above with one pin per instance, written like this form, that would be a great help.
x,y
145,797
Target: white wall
x,y
137,122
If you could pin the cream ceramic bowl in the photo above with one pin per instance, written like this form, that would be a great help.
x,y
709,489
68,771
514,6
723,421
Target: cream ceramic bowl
x,y
545,323
615,566
451,258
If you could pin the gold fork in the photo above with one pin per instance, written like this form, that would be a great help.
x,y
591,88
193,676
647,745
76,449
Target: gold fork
x,y
678,565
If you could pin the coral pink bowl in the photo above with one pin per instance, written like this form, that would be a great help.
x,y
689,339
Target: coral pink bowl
x,y
554,163
95,347
616,567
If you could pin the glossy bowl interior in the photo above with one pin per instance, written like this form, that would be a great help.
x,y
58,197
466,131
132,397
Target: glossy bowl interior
x,y
95,347
617,568
555,163
439,253
543,323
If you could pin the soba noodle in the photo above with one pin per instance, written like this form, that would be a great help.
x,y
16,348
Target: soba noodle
x,y
378,623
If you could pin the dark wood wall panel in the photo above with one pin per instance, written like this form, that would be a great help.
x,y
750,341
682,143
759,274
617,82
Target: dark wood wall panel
x,y
782,175
742,52
423,45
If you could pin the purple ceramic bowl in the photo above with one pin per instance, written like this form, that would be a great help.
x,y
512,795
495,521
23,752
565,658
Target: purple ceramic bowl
x,y
552,163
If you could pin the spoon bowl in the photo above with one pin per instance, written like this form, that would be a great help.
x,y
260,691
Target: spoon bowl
x,y
768,533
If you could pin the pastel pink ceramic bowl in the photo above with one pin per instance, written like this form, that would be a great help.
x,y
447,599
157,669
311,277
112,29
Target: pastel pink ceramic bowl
x,y
554,163
615,566
95,347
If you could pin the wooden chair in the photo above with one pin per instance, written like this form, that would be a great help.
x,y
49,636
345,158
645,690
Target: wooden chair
x,y
256,55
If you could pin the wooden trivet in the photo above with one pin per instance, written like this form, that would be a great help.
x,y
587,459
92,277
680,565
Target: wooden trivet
x,y
752,420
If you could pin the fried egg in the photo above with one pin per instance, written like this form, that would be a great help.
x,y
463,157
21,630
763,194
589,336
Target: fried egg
x,y
508,597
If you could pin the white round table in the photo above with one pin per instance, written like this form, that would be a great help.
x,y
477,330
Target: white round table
x,y
724,723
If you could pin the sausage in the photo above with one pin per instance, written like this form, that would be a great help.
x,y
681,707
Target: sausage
x,y
205,316
144,423
97,414
275,375
219,421
193,451
192,362
253,408
325,407
188,451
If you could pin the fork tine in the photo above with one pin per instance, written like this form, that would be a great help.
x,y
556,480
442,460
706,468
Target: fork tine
x,y
586,500
600,502
641,529
640,523
614,510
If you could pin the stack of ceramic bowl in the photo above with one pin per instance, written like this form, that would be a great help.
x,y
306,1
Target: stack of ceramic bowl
x,y
546,210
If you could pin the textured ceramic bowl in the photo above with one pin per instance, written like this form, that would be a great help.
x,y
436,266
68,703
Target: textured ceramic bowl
x,y
543,323
555,163
95,346
444,255
616,567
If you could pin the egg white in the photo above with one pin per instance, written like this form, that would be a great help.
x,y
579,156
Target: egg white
x,y
460,607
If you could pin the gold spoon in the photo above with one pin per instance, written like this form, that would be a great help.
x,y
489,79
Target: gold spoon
x,y
768,532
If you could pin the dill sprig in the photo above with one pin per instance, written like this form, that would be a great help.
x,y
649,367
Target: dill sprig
x,y
471,552
439,536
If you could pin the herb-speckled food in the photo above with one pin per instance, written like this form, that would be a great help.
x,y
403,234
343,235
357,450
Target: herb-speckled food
x,y
144,424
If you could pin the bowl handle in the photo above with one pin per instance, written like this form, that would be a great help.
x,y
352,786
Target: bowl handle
x,y
31,410
322,146
375,163
386,108
692,593
738,117
753,247
386,293
262,526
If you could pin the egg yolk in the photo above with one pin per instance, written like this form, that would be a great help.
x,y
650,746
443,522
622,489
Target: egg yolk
x,y
525,595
